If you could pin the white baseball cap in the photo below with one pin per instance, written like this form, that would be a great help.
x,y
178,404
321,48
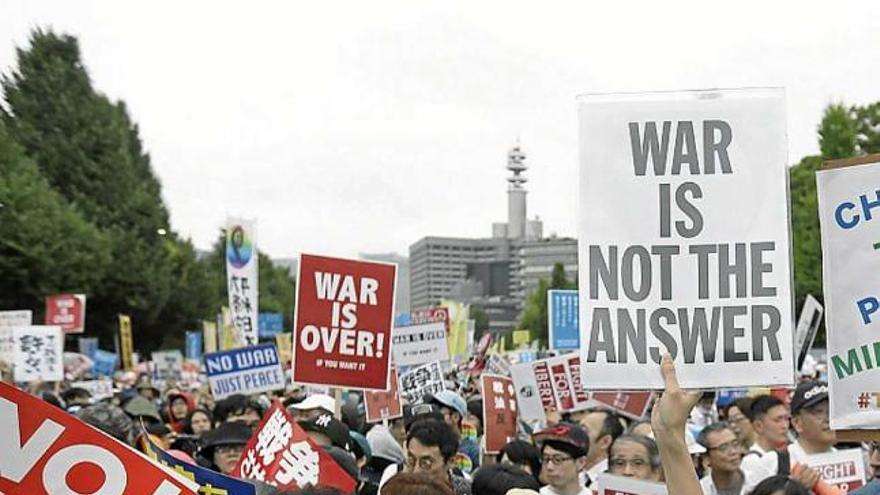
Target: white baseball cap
x,y
317,401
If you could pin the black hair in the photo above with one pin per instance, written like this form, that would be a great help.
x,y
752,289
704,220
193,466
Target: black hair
x,y
475,407
523,453
703,437
433,433
761,405
780,482
648,443
610,425
187,422
497,479
233,405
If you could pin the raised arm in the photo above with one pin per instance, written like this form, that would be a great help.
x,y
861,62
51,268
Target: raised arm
x,y
668,422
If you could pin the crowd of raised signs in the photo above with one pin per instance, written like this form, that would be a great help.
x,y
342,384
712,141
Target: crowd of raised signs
x,y
307,440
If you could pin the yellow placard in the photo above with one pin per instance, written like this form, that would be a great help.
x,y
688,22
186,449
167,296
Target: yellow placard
x,y
126,342
209,331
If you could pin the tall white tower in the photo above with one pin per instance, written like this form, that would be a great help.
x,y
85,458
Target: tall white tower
x,y
516,193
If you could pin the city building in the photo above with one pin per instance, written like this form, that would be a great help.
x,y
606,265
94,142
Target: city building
x,y
496,273
401,297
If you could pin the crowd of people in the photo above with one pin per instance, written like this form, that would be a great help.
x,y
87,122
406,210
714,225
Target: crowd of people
x,y
693,442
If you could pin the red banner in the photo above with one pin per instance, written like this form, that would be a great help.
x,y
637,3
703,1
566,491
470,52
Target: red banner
x,y
545,386
384,405
67,311
281,454
499,411
46,450
344,314
562,386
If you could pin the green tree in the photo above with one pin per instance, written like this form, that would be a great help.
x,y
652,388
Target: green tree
x,y
89,151
46,246
534,315
838,132
868,128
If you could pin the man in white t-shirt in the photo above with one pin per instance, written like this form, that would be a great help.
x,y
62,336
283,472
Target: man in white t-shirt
x,y
723,458
809,409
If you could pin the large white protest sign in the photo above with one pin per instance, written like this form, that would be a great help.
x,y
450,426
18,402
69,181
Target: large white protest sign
x,y
844,469
39,353
8,321
242,279
684,239
850,257
419,344
609,484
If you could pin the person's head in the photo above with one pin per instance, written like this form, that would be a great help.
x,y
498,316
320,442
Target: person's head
x,y
642,428
809,415
238,408
178,407
409,483
770,419
634,456
451,406
564,450
383,445
738,420
780,485
875,459
76,396
497,479
312,407
723,448
521,454
475,414
198,422
110,419
224,445
430,447
603,427
325,430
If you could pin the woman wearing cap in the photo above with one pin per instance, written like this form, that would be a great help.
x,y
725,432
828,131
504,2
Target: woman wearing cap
x,y
223,446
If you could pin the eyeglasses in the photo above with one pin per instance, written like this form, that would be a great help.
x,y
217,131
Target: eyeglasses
x,y
556,460
736,419
622,463
727,446
424,463
229,449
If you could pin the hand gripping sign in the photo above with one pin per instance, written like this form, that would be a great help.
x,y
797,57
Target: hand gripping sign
x,y
49,451
342,330
281,454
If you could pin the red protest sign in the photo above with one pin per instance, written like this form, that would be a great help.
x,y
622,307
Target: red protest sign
x,y
630,404
46,450
562,386
281,454
67,311
499,411
381,405
342,330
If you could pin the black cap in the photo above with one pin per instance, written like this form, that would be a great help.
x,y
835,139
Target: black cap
x,y
229,433
808,394
335,430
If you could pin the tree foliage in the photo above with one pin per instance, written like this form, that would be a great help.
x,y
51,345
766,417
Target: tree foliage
x,y
534,315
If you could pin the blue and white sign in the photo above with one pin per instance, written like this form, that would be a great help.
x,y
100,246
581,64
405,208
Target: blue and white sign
x,y
562,316
194,346
88,346
105,362
208,480
248,370
270,324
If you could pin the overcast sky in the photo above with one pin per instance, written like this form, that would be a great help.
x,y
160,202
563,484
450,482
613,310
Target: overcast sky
x,y
347,127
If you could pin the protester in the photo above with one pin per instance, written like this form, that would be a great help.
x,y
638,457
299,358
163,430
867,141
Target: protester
x,y
146,389
416,484
523,455
110,419
431,446
769,417
224,446
179,405
723,459
603,427
498,479
238,408
325,430
454,409
705,412
313,406
387,458
76,398
564,450
738,420
780,485
873,486
634,456
142,409
198,422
